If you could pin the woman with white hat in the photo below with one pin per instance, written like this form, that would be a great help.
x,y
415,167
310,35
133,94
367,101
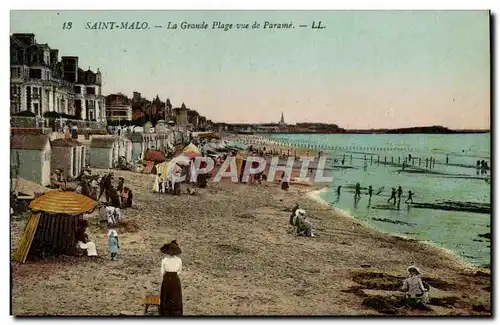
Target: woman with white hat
x,y
414,286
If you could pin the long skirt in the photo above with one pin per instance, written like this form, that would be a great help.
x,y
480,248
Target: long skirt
x,y
171,295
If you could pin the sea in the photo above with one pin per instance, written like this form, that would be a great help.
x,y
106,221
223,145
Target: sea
x,y
375,159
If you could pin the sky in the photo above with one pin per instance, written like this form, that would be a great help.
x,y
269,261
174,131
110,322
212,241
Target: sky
x,y
365,69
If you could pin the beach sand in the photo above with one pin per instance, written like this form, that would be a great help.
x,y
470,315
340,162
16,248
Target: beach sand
x,y
239,259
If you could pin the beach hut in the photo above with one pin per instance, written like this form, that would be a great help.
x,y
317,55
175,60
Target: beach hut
x,y
104,151
34,152
52,226
68,155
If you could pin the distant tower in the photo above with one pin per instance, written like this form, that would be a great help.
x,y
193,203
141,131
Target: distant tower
x,y
282,120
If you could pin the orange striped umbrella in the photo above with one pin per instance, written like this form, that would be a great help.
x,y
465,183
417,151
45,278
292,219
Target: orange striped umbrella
x,y
63,202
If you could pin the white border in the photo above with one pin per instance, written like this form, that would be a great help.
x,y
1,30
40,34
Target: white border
x,y
185,4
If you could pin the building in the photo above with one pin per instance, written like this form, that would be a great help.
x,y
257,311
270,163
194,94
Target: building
x,y
118,107
68,155
282,120
157,108
181,117
36,81
89,101
33,154
169,112
41,83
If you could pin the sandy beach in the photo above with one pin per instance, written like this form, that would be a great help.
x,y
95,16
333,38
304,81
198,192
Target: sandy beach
x,y
240,259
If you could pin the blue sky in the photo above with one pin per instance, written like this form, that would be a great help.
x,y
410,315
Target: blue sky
x,y
365,69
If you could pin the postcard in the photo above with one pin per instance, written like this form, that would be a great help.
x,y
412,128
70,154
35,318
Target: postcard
x,y
243,163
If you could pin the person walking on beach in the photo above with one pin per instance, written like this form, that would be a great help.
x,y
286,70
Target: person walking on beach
x,y
447,159
410,197
171,288
365,166
400,192
159,180
393,196
113,244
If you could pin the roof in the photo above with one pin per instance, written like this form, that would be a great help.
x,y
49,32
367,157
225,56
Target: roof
x,y
28,141
103,142
63,202
69,142
29,187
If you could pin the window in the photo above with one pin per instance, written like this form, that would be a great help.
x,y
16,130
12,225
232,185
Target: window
x,y
35,107
36,73
77,89
35,95
90,91
47,75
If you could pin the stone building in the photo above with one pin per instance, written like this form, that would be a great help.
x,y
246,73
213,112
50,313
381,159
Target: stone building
x,y
40,83
118,107
181,116
89,101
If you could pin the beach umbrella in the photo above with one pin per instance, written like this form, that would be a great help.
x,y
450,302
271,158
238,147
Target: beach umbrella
x,y
64,202
191,155
156,156
191,148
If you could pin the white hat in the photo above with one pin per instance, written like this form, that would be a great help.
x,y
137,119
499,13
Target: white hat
x,y
300,211
414,268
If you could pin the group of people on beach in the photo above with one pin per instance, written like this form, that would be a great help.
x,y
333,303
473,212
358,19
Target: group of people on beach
x,y
399,192
395,194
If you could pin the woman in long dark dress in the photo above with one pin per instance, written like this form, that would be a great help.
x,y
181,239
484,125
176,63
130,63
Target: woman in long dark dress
x,y
171,289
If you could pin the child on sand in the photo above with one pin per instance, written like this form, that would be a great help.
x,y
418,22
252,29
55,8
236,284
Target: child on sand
x,y
113,244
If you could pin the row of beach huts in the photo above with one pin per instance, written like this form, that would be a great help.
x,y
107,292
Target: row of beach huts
x,y
35,156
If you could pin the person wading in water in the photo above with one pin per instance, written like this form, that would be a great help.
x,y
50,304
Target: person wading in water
x,y
400,192
393,196
410,197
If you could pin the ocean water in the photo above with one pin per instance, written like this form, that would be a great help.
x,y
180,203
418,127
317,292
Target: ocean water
x,y
458,180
